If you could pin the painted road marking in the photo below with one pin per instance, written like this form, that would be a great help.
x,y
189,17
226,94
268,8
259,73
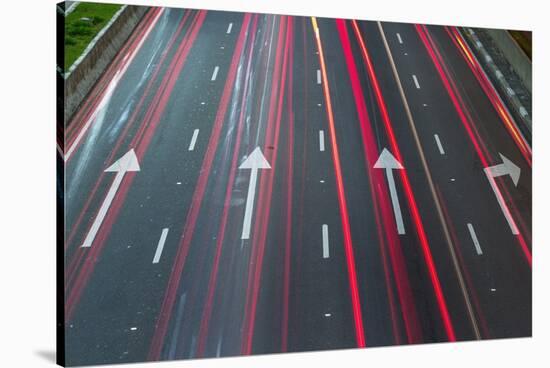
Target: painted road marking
x,y
439,146
215,73
126,163
474,239
193,140
229,27
416,82
399,38
321,140
432,188
254,162
328,314
318,76
507,167
326,253
160,245
389,163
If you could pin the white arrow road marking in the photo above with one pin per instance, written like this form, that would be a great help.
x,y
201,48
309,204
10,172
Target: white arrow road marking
x,y
160,245
215,73
507,167
326,252
474,239
399,38
321,140
254,162
389,163
126,163
193,140
416,82
439,145
229,27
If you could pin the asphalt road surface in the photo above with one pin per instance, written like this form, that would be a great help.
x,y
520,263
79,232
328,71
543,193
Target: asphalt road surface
x,y
242,184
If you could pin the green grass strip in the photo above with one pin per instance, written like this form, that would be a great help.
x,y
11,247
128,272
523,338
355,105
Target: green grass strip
x,y
82,25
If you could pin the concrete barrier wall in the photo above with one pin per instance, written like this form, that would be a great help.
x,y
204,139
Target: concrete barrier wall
x,y
87,69
515,55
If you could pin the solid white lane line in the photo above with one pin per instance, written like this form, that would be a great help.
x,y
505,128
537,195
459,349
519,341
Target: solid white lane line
x,y
399,38
160,245
215,73
416,82
318,76
441,150
321,140
474,239
326,253
193,140
229,27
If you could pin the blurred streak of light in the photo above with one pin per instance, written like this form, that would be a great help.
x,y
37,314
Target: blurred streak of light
x,y
468,124
344,215
489,90
382,207
192,215
425,247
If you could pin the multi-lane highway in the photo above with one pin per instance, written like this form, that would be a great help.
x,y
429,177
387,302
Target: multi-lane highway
x,y
242,184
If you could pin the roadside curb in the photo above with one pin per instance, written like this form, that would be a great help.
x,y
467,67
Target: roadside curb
x,y
488,64
88,68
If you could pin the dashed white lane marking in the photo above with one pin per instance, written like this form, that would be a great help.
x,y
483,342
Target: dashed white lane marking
x,y
229,27
193,140
160,245
321,140
215,73
326,253
318,76
328,314
133,328
474,239
439,146
416,82
399,38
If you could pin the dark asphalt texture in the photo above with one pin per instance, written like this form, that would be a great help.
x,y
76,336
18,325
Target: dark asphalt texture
x,y
209,291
